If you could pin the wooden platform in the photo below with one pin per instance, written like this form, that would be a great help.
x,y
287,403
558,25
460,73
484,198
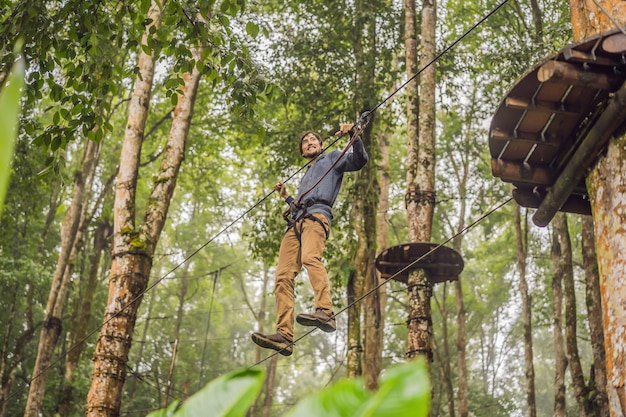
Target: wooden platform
x,y
440,263
555,121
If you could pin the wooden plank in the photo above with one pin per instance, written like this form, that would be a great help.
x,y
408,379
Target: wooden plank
x,y
574,204
587,58
565,73
615,44
524,137
522,103
520,172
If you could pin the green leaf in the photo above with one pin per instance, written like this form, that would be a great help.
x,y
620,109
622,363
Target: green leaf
x,y
404,392
225,6
9,120
228,396
343,399
252,29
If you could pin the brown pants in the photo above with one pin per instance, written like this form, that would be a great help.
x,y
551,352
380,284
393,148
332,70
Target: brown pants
x,y
293,255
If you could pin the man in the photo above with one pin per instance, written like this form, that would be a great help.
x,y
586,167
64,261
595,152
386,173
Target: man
x,y
303,243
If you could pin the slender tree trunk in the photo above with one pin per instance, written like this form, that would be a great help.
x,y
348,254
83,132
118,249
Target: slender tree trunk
x,y
260,314
560,359
182,295
353,356
270,387
53,205
425,177
79,328
529,369
417,295
376,307
461,338
594,315
60,284
133,250
606,184
365,208
421,182
446,360
569,291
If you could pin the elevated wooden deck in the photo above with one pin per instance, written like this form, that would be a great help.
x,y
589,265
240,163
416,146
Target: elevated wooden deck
x,y
555,121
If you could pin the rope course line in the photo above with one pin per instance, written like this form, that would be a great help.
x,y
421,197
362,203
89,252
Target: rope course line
x,y
363,116
405,269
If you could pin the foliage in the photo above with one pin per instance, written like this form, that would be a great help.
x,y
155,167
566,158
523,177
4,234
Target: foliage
x,y
10,95
404,392
228,396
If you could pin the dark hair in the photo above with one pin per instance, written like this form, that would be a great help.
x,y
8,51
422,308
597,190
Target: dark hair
x,y
305,134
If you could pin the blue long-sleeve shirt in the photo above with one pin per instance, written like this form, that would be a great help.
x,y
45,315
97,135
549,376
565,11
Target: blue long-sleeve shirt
x,y
321,198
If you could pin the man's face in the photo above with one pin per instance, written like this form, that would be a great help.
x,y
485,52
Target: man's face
x,y
311,146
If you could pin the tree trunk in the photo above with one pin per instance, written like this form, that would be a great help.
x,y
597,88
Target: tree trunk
x,y
538,22
446,360
560,360
260,314
461,338
365,208
421,181
606,184
589,17
182,295
128,277
133,251
529,370
270,386
581,393
594,316
354,290
79,328
425,178
12,355
376,307
52,324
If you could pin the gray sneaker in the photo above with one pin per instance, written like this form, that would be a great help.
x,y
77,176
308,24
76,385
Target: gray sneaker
x,y
319,319
275,341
